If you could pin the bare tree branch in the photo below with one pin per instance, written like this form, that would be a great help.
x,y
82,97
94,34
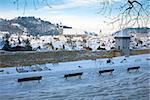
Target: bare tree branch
x,y
35,3
131,13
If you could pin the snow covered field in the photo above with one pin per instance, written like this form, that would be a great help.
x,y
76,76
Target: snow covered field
x,y
121,85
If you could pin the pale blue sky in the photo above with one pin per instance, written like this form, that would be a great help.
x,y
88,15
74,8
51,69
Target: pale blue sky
x,y
76,13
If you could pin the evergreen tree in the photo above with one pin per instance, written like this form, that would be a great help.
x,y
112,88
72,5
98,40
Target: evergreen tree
x,y
28,45
7,46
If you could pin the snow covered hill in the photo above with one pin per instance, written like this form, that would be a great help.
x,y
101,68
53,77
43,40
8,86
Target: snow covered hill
x,y
31,25
120,85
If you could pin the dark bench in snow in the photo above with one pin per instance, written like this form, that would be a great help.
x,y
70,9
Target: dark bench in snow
x,y
30,78
73,74
1,70
106,71
133,68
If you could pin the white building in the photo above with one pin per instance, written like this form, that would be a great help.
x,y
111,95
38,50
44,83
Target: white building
x,y
123,42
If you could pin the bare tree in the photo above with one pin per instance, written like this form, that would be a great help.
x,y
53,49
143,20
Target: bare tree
x,y
128,13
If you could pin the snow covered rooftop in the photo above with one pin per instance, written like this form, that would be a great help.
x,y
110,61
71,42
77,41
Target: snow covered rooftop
x,y
122,33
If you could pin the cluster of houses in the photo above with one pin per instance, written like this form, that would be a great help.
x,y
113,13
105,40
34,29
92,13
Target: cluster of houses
x,y
76,41
59,42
